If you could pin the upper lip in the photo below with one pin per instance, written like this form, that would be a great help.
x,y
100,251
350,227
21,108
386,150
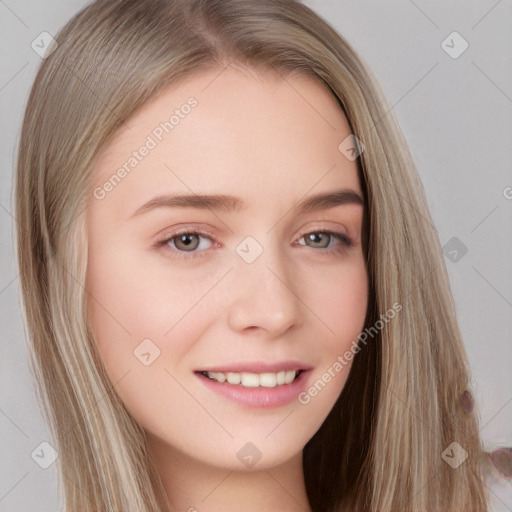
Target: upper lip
x,y
256,367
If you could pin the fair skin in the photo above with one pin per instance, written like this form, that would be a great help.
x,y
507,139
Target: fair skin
x,y
272,143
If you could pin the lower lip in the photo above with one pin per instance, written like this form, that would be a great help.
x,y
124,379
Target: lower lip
x,y
260,397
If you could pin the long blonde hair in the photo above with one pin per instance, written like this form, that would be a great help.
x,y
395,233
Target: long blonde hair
x,y
380,449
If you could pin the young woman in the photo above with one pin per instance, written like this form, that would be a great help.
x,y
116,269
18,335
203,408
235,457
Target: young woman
x,y
234,290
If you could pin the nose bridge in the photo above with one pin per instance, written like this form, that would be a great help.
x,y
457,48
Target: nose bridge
x,y
264,292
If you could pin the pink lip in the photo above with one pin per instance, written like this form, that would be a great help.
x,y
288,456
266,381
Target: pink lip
x,y
260,397
256,367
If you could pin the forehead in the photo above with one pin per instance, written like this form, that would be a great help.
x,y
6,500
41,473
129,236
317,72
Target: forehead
x,y
229,130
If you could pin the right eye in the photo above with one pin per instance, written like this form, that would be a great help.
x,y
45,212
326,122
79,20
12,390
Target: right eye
x,y
183,243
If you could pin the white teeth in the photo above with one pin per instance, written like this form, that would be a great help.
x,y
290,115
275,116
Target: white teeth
x,y
289,376
250,380
254,380
233,378
269,380
218,376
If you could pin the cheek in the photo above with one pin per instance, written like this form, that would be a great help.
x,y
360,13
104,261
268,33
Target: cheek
x,y
143,330
130,303
341,308
340,302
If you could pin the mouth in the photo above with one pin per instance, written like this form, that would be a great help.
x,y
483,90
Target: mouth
x,y
264,386
254,380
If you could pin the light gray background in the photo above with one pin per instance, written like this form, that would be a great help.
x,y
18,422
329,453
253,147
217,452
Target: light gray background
x,y
456,115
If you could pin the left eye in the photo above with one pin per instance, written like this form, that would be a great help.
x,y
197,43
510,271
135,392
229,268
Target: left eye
x,y
185,244
316,237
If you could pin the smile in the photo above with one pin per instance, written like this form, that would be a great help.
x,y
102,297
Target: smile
x,y
254,380
257,385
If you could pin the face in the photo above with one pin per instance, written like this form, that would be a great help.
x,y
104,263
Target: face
x,y
222,320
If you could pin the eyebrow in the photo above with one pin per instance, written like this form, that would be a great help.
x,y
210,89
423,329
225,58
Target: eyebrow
x,y
227,203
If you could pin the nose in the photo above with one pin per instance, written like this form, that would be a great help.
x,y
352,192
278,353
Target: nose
x,y
265,295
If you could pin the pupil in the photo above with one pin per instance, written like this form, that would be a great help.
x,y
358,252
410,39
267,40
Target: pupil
x,y
315,237
186,239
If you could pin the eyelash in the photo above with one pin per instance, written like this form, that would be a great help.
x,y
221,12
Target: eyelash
x,y
346,242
